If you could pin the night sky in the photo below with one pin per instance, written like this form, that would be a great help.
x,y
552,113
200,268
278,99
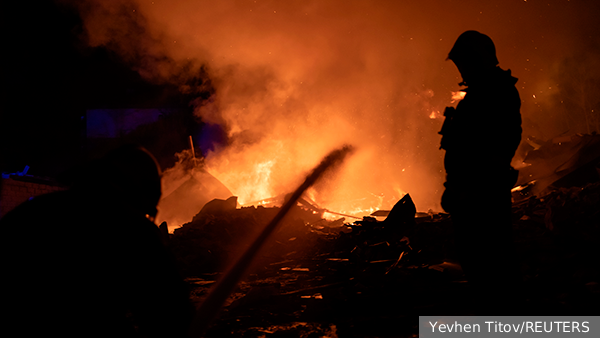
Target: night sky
x,y
50,78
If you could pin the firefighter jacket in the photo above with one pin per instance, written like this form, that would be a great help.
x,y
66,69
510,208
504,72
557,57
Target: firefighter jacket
x,y
482,134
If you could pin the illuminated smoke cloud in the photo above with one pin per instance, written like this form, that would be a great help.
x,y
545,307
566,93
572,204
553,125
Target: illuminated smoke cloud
x,y
296,79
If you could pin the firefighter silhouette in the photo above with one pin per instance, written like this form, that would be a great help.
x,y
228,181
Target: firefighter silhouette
x,y
89,262
480,137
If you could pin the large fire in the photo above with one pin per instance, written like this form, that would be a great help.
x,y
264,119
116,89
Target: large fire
x,y
293,80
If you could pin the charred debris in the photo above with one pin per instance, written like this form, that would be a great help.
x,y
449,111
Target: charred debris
x,y
374,276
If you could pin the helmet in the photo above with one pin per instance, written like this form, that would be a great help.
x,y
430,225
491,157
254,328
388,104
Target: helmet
x,y
129,174
474,48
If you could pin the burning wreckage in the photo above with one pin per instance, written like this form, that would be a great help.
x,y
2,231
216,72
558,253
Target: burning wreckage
x,y
372,276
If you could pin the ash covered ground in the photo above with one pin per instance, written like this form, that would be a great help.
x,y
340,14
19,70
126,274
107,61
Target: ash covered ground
x,y
370,278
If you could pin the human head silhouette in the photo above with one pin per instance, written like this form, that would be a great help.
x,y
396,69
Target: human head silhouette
x,y
474,54
129,175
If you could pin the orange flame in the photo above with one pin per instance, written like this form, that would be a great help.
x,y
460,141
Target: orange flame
x,y
457,96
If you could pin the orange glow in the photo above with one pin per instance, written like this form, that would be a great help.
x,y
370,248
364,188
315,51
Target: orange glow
x,y
435,115
331,217
254,184
522,187
457,96
294,80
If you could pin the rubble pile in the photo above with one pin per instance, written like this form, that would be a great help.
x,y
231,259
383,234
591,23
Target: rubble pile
x,y
213,239
562,162
558,242
317,276
372,278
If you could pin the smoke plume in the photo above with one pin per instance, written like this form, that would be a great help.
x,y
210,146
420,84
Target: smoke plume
x,y
295,79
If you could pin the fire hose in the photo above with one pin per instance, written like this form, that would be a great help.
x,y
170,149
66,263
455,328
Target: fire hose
x,y
217,296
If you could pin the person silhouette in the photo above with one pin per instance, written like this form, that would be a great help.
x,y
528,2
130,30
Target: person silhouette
x,y
89,262
480,137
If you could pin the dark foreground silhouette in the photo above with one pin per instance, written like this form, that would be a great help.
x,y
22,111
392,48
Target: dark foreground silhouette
x,y
87,262
480,137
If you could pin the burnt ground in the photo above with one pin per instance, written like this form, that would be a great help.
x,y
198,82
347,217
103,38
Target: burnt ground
x,y
366,279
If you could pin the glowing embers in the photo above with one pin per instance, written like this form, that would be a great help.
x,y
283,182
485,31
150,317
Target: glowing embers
x,y
457,96
435,115
352,209
523,187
